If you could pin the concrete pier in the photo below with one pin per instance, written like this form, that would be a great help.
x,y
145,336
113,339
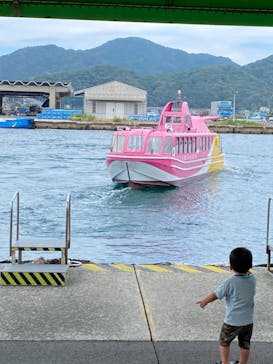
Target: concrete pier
x,y
111,125
126,314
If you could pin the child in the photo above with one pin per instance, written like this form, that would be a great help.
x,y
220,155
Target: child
x,y
239,292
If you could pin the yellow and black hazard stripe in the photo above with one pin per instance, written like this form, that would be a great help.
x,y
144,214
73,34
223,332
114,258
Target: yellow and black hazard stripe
x,y
32,279
158,268
39,249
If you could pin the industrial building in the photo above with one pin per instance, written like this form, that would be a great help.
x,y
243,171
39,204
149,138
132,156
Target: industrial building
x,y
113,100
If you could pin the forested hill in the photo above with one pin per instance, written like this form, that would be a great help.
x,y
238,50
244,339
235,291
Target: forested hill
x,y
134,54
199,86
159,70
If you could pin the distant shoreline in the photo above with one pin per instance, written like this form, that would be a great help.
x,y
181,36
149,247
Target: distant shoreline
x,y
112,126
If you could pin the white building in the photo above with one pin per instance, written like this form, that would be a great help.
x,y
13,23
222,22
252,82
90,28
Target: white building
x,y
113,99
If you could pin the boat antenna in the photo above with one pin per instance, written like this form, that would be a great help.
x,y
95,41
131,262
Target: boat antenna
x,y
179,97
179,94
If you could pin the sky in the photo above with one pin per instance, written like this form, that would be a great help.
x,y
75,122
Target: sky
x,y
242,45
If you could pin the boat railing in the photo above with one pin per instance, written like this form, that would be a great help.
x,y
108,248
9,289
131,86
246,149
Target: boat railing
x,y
269,243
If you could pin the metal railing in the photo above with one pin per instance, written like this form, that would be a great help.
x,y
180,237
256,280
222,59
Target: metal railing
x,y
15,205
67,226
269,246
15,199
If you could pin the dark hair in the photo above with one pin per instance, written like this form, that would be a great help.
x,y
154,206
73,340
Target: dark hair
x,y
240,259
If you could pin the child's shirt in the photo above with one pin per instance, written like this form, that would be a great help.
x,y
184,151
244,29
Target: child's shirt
x,y
239,292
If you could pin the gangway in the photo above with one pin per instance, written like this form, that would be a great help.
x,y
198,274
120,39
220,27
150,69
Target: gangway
x,y
269,243
19,273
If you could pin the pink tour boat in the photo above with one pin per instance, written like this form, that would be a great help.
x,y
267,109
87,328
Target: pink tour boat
x,y
179,149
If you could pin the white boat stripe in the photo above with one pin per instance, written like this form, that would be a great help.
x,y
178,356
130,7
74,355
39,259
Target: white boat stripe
x,y
148,157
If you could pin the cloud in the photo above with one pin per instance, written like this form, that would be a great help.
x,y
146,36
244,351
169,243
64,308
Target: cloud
x,y
242,44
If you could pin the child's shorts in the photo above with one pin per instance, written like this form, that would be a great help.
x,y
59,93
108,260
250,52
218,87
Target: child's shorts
x,y
228,333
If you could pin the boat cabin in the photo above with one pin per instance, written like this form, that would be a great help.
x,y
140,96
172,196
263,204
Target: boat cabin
x,y
177,133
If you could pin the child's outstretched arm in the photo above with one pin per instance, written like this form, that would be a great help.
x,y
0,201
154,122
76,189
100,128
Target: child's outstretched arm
x,y
210,298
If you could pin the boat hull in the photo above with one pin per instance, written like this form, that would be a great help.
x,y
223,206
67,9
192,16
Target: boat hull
x,y
152,172
21,123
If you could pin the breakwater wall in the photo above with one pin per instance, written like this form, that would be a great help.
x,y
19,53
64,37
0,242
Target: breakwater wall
x,y
241,129
111,125
75,125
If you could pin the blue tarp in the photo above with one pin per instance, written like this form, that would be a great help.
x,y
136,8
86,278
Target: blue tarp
x,y
58,114
26,123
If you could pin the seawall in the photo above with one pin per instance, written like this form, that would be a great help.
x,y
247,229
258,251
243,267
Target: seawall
x,y
111,125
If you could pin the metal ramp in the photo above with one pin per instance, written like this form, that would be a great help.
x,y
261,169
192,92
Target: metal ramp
x,y
269,243
18,273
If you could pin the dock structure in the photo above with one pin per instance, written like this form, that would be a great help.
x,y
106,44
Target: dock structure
x,y
117,313
53,91
17,273
126,314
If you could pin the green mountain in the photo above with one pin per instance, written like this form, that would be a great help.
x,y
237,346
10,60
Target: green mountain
x,y
262,69
199,86
145,57
141,63
135,54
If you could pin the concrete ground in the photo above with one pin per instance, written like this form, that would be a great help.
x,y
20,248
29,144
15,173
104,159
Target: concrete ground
x,y
133,315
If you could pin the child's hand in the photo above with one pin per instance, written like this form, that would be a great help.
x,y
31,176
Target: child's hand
x,y
212,297
202,303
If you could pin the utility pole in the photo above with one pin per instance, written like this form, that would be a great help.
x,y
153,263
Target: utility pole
x,y
234,103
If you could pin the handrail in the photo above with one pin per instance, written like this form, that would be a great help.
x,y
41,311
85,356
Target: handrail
x,y
17,198
15,203
269,248
68,221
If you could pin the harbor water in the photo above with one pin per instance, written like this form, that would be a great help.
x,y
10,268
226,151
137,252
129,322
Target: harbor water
x,y
198,223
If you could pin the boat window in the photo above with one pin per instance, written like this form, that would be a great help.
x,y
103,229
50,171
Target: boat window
x,y
182,144
118,143
204,143
188,121
167,120
210,142
193,145
185,145
207,142
135,142
176,145
189,145
168,145
154,145
172,120
182,151
176,120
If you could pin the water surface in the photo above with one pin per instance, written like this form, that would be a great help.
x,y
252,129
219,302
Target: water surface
x,y
196,224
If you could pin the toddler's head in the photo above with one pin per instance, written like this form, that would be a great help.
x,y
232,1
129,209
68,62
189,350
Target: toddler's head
x,y
240,260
